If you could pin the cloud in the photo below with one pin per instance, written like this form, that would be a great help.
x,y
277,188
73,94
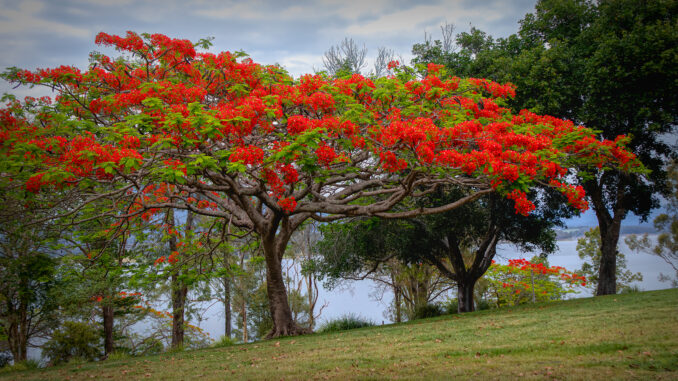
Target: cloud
x,y
413,20
26,19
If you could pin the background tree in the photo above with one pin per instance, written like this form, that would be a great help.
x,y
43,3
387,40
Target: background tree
x,y
666,224
521,281
28,263
588,248
460,243
345,58
566,61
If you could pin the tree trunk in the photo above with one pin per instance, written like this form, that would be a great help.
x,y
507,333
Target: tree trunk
x,y
227,306
179,289
311,300
609,225
465,295
281,314
179,292
607,275
107,312
17,333
398,307
243,314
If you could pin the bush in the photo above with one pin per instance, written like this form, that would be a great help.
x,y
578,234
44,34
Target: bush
x,y
428,311
630,289
483,304
21,366
74,340
5,358
224,341
451,306
344,323
118,355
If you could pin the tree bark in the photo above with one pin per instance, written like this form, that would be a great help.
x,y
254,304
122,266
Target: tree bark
x,y
18,332
607,275
243,314
281,314
179,289
227,307
179,292
396,300
465,295
107,314
609,226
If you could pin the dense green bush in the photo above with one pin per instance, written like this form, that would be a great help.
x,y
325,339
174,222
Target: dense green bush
x,y
74,340
428,311
224,341
345,322
21,366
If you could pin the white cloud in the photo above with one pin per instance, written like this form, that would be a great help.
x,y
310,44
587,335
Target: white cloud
x,y
298,64
25,18
249,10
411,20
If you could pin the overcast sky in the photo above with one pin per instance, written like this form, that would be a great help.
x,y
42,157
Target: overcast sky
x,y
46,33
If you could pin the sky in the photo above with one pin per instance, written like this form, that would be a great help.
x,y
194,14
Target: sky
x,y
295,34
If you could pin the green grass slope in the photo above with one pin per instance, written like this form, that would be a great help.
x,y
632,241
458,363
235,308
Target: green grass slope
x,y
632,336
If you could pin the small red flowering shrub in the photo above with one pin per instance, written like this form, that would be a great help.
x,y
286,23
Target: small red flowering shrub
x,y
512,284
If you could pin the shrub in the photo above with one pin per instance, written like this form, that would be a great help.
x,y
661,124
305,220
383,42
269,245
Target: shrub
x,y
21,366
630,289
5,358
483,304
344,323
451,306
224,341
428,311
74,340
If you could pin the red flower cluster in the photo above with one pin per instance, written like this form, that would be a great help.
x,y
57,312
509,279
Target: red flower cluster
x,y
183,104
326,155
248,155
288,204
522,204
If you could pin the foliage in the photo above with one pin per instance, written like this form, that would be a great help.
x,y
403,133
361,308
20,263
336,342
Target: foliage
x,y
521,281
429,310
667,226
344,323
224,341
460,243
166,126
588,248
21,366
565,61
73,340
5,358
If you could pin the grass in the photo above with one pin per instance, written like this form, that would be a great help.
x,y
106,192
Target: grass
x,y
631,336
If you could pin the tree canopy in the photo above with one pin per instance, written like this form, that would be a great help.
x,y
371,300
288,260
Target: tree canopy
x,y
168,126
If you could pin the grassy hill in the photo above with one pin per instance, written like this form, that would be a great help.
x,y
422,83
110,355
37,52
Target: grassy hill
x,y
632,336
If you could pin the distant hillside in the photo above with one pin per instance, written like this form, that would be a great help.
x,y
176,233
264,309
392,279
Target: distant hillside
x,y
576,232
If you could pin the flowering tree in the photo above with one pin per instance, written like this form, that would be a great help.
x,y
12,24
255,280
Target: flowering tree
x,y
521,281
166,126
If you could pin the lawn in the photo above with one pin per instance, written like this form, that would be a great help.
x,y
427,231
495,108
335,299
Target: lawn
x,y
631,336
